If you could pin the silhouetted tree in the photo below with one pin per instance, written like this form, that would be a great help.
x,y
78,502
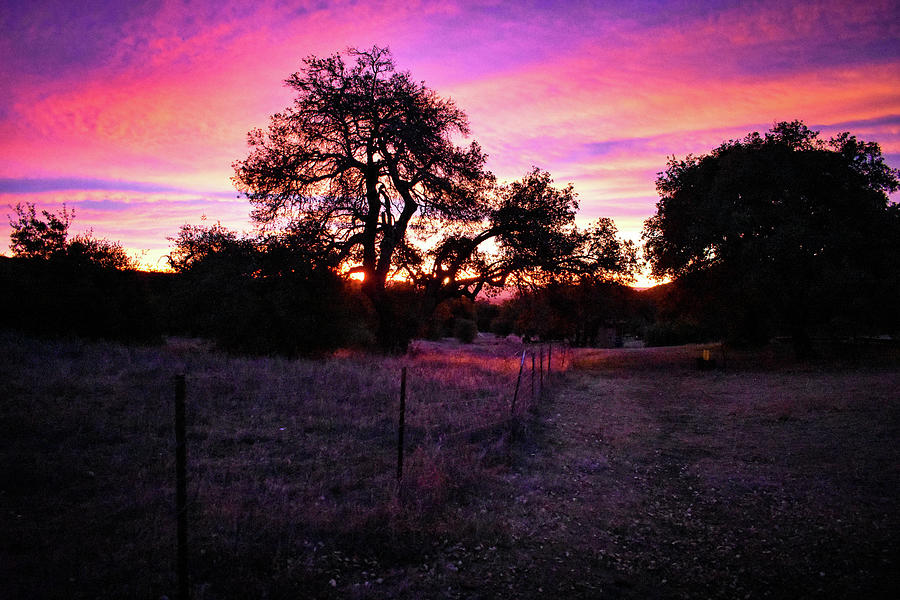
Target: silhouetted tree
x,y
81,286
581,311
443,318
486,312
48,238
364,164
101,252
788,230
198,244
531,225
363,151
33,237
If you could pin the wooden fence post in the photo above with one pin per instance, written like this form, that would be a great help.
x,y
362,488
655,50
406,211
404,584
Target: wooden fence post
x,y
401,425
181,489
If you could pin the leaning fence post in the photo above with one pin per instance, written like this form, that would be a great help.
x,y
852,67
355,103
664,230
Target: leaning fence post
x,y
512,409
401,425
181,489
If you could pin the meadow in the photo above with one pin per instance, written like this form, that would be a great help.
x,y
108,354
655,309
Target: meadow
x,y
633,475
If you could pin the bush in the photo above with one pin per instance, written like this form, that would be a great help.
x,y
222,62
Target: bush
x,y
485,313
465,330
442,321
502,325
60,297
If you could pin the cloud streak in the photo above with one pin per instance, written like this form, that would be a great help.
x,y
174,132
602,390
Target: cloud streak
x,y
69,184
136,110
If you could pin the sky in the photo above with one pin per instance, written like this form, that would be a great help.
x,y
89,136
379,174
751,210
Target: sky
x,y
132,113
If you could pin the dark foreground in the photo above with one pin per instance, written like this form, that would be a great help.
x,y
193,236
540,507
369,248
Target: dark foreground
x,y
635,477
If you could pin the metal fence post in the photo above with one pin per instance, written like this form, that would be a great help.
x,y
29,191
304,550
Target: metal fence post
x,y
549,356
542,371
401,425
181,489
532,376
512,410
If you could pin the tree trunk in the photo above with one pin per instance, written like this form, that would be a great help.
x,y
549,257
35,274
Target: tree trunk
x,y
394,327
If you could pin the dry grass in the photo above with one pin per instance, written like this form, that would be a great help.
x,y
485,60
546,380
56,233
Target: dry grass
x,y
284,456
639,476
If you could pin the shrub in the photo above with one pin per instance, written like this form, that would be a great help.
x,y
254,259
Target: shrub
x,y
485,313
465,330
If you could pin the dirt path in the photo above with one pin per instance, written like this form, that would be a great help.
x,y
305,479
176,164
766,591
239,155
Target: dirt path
x,y
654,482
644,478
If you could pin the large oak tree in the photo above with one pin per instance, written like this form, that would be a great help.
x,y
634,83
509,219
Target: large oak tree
x,y
363,151
363,154
365,160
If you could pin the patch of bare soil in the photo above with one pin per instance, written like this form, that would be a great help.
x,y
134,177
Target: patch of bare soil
x,y
645,478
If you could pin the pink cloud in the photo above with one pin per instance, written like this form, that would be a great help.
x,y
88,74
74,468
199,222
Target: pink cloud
x,y
186,103
141,221
167,97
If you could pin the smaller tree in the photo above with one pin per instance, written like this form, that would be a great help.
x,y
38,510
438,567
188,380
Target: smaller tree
x,y
48,238
581,311
101,252
528,239
197,244
33,237
261,294
81,286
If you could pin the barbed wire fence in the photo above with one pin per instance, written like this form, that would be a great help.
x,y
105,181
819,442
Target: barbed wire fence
x,y
433,411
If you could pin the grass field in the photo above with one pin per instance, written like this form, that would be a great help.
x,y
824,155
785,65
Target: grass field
x,y
635,476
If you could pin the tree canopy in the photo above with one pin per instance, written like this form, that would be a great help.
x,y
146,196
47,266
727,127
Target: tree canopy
x,y
531,225
363,150
791,226
260,294
33,237
57,285
364,170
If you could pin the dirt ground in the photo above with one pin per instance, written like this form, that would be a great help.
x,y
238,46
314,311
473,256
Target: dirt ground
x,y
646,478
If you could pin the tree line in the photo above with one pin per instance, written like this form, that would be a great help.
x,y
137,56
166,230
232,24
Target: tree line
x,y
372,226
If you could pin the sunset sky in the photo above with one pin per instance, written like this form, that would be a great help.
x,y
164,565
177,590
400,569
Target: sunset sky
x,y
133,112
